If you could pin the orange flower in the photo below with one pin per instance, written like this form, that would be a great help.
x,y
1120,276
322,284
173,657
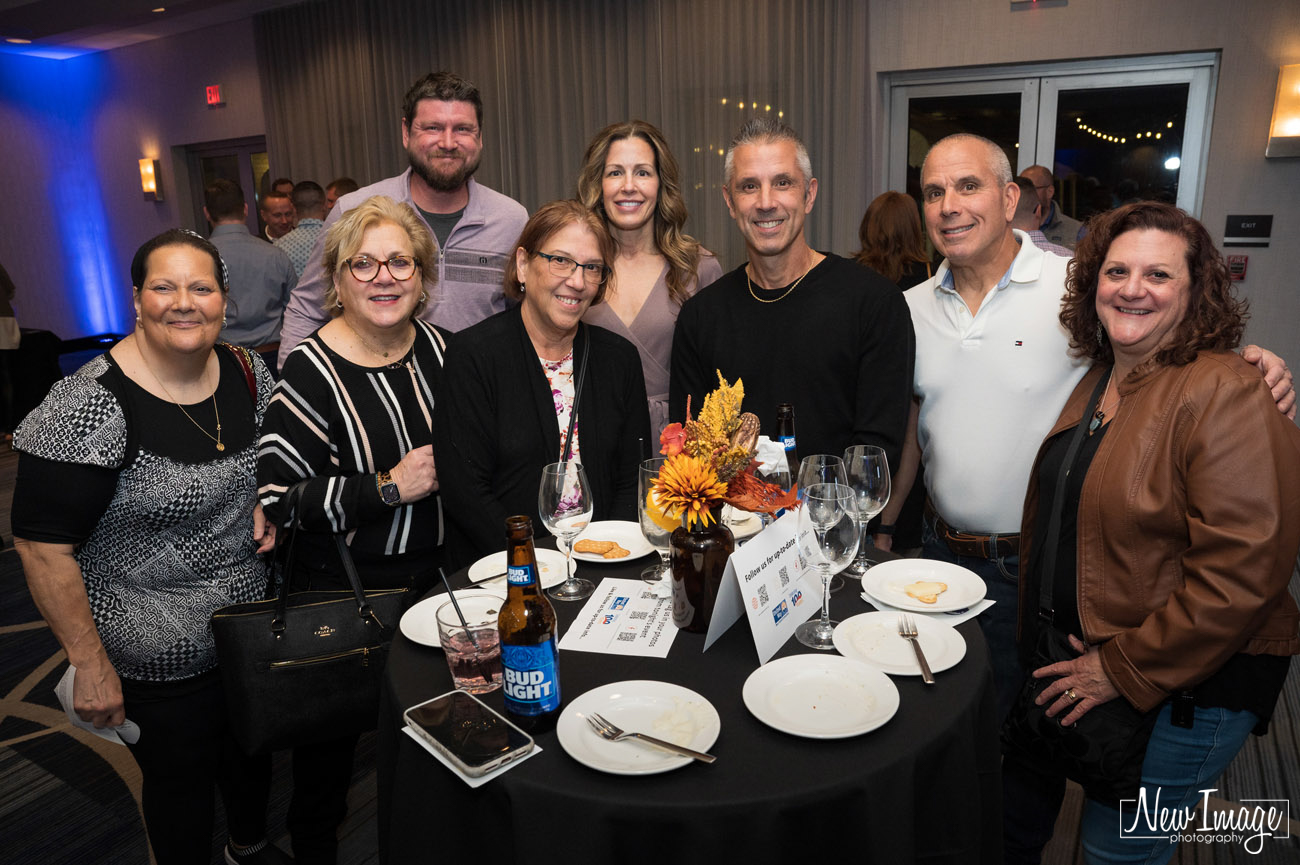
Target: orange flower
x,y
688,486
672,439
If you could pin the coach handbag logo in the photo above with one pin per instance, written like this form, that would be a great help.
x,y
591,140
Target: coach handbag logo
x,y
324,631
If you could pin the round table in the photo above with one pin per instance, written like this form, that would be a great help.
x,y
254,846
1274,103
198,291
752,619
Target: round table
x,y
923,788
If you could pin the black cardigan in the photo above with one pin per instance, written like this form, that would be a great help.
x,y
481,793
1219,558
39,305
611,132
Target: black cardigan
x,y
494,429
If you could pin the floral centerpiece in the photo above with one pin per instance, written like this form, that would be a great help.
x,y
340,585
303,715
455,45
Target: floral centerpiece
x,y
710,460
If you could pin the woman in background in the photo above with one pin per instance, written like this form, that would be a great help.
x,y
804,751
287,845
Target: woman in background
x,y
629,179
892,243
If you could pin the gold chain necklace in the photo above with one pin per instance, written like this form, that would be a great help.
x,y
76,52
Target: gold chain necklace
x,y
370,348
784,295
215,411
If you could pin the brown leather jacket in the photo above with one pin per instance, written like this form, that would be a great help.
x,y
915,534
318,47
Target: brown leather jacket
x,y
1189,523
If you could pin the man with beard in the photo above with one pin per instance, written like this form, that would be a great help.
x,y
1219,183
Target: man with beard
x,y
476,227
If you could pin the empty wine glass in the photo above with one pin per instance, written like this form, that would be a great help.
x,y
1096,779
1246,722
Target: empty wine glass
x,y
656,534
868,471
565,504
822,469
828,514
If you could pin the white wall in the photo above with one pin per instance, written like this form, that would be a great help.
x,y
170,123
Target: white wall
x,y
1254,38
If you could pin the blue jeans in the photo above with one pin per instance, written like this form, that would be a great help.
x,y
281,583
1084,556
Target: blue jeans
x,y
1179,763
1001,580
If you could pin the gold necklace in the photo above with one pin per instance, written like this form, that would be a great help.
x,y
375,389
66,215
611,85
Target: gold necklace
x,y
215,411
370,348
784,295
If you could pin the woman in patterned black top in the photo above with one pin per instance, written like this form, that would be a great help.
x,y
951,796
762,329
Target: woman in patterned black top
x,y
135,514
351,417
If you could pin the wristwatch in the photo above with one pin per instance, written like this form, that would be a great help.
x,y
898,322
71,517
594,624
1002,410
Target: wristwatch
x,y
388,489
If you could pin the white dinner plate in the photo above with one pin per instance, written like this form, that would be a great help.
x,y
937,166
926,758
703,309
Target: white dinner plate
x,y
820,696
420,623
873,639
743,524
550,569
665,711
626,534
888,581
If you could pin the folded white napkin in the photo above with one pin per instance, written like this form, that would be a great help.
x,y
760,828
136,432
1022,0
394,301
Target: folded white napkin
x,y
955,618
770,456
127,734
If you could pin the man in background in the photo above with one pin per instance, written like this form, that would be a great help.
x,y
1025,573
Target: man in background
x,y
476,227
277,213
260,275
337,189
1029,215
309,203
1056,226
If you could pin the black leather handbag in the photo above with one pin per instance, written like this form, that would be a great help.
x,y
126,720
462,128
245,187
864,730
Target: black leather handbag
x,y
305,667
1104,750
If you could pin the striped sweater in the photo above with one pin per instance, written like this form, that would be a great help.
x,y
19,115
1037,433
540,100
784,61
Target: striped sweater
x,y
339,424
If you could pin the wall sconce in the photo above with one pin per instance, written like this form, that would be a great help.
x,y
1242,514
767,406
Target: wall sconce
x,y
1284,134
151,180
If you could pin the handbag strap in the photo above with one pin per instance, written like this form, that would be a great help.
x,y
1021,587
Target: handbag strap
x,y
293,502
1052,542
577,392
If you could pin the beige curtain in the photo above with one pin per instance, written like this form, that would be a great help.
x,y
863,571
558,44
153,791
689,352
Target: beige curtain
x,y
553,72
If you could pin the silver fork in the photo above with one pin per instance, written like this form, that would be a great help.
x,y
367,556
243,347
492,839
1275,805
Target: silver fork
x,y
606,730
907,630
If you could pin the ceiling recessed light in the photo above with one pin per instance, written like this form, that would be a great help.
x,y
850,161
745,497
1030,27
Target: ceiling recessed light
x,y
161,9
14,40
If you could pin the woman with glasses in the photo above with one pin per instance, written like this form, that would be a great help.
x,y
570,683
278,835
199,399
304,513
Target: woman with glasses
x,y
351,416
534,382
629,179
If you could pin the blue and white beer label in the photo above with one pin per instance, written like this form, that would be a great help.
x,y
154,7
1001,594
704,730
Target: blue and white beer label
x,y
532,686
521,575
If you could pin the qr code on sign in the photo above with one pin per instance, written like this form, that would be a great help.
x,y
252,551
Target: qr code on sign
x,y
762,595
784,574
627,636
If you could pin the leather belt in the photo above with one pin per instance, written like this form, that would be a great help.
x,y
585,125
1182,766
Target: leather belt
x,y
967,544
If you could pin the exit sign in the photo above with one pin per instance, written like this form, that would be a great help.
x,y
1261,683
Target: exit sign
x,y
214,94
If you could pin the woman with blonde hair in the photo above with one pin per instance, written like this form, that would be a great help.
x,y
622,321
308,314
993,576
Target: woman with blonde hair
x,y
629,178
352,418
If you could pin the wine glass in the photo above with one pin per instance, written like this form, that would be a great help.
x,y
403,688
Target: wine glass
x,y
780,477
868,471
660,574
565,504
829,513
821,469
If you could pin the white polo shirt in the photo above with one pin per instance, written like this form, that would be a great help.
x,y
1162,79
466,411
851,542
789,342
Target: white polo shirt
x,y
991,385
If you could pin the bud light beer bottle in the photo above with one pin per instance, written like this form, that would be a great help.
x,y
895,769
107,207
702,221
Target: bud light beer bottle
x,y
785,435
529,650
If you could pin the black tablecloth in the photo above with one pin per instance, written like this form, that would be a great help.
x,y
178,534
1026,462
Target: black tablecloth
x,y
923,788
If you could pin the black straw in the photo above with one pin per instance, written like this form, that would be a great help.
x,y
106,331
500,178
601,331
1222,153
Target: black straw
x,y
468,632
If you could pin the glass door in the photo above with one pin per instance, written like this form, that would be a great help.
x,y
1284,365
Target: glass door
x,y
242,161
1111,131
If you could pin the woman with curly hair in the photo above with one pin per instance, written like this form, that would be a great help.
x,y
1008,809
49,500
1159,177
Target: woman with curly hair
x,y
1178,524
629,178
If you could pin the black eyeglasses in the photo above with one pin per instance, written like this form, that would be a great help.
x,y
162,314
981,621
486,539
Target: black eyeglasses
x,y
594,274
366,269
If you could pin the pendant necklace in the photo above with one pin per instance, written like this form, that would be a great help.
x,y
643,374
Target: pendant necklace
x,y
1099,416
215,411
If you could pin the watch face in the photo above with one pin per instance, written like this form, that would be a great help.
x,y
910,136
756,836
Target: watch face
x,y
388,492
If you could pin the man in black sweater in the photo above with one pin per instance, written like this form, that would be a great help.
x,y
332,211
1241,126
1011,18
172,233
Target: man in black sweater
x,y
797,325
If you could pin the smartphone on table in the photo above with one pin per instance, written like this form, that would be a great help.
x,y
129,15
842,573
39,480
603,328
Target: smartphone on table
x,y
468,732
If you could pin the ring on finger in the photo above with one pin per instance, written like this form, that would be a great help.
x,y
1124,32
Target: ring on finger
x,y
1071,696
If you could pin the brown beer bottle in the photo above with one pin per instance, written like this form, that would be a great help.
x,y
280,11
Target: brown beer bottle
x,y
529,640
785,435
